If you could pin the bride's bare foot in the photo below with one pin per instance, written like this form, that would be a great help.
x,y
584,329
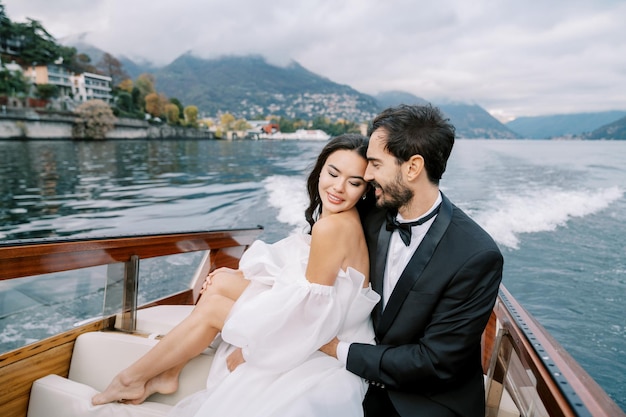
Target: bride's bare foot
x,y
165,383
120,389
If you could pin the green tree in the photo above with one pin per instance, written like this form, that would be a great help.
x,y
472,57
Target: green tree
x,y
47,91
13,83
226,121
124,102
191,116
178,104
334,129
145,86
172,114
138,99
6,30
125,106
75,62
37,45
241,124
286,125
95,119
321,123
126,85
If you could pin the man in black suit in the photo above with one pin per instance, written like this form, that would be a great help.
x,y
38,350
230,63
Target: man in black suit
x,y
438,283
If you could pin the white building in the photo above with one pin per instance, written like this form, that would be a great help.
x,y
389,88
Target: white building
x,y
89,86
300,134
81,87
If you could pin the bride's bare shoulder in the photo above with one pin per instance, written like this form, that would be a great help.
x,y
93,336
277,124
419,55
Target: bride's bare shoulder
x,y
340,227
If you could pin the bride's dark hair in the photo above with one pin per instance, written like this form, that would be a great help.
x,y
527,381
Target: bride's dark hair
x,y
350,142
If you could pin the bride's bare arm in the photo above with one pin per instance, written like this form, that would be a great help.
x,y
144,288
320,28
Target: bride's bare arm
x,y
326,256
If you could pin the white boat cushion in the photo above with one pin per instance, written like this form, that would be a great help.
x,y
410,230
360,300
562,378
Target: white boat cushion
x,y
55,396
97,358
159,320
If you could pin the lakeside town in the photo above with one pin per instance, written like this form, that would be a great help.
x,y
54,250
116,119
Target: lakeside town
x,y
48,97
48,90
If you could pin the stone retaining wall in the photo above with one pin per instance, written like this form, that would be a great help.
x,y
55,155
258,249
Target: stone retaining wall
x,y
32,125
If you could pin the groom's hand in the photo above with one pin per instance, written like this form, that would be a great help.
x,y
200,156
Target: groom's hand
x,y
234,359
330,348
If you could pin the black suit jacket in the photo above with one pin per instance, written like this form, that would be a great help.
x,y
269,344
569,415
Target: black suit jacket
x,y
428,337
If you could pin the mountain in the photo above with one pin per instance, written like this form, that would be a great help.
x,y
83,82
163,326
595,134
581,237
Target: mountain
x,y
247,86
79,42
393,98
562,125
470,120
615,130
132,68
473,122
135,68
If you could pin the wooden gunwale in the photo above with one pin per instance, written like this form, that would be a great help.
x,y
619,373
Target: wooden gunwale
x,y
565,388
26,258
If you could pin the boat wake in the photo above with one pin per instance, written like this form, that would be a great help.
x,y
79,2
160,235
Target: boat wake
x,y
540,210
288,195
506,217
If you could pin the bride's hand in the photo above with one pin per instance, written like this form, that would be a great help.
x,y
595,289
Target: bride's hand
x,y
234,359
223,270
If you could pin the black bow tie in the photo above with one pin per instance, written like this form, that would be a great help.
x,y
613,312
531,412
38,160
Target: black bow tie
x,y
405,228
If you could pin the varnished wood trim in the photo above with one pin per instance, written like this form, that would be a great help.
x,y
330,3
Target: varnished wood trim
x,y
488,341
34,258
587,390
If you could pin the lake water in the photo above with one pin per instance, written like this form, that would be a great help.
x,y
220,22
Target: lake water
x,y
556,208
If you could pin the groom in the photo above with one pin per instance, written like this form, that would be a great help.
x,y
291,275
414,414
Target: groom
x,y
438,277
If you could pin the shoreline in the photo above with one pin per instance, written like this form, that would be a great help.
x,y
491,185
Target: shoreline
x,y
33,125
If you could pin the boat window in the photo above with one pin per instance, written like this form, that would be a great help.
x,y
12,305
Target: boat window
x,y
40,306
519,396
34,308
167,275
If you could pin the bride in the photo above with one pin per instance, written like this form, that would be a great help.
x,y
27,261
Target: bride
x,y
286,300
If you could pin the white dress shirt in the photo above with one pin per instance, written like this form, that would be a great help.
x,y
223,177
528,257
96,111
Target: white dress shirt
x,y
398,257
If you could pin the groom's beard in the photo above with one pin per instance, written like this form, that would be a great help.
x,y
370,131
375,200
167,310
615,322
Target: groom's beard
x,y
394,195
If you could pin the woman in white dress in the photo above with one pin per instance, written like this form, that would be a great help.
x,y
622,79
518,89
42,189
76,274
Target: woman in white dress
x,y
286,300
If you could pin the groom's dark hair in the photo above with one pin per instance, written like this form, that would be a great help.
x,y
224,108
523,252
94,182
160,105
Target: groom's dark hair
x,y
417,130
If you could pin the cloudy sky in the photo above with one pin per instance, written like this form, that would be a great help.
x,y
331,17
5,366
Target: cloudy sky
x,y
512,57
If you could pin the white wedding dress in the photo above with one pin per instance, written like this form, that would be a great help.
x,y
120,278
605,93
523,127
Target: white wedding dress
x,y
280,321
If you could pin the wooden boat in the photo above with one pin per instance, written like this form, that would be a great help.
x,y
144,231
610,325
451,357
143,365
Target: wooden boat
x,y
527,373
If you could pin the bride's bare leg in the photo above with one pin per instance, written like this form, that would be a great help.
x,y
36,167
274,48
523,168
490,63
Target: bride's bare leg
x,y
158,370
164,383
222,282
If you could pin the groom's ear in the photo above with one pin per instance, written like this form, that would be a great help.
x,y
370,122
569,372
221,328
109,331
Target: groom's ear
x,y
414,167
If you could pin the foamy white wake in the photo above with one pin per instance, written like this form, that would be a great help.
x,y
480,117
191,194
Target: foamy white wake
x,y
508,216
540,210
288,195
